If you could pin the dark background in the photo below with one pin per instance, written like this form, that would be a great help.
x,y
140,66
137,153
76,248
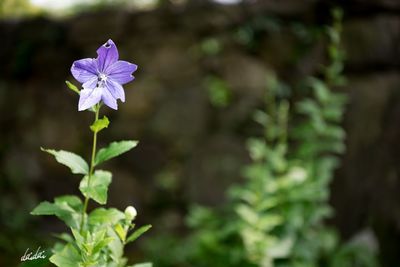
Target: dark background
x,y
190,150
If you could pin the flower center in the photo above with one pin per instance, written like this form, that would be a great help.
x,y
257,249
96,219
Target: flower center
x,y
101,79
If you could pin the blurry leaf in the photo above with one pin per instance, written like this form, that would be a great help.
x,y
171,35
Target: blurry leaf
x,y
332,113
211,46
261,117
322,93
297,174
199,216
308,107
335,132
256,170
100,124
247,214
113,150
75,162
135,235
218,91
256,148
276,157
269,222
282,248
98,187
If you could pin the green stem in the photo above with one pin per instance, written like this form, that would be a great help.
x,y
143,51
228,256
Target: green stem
x,y
85,205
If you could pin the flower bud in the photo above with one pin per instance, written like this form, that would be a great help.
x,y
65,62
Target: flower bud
x,y
130,213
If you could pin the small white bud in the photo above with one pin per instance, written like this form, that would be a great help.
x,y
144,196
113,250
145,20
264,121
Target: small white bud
x,y
130,213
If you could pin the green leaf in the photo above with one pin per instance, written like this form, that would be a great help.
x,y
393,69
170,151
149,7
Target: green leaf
x,y
76,163
98,187
100,124
121,232
116,247
64,237
101,244
113,150
67,257
71,200
66,208
80,240
102,216
321,91
135,235
72,87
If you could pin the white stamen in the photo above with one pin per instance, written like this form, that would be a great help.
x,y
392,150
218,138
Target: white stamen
x,y
103,77
101,80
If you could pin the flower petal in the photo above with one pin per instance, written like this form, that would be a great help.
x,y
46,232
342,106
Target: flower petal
x,y
107,55
121,71
91,83
84,69
115,89
108,99
89,98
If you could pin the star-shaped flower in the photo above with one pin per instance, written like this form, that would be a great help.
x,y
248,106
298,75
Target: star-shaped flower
x,y
102,77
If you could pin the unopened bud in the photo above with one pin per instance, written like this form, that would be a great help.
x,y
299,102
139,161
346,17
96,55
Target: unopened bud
x,y
130,213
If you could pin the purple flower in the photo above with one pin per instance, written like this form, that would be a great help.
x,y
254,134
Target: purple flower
x,y
102,77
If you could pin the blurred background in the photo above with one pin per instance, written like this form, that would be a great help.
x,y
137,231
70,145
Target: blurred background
x,y
202,73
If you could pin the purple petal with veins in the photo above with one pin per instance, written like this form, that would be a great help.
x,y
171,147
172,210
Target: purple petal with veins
x,y
121,71
107,55
115,89
108,99
91,83
89,98
84,69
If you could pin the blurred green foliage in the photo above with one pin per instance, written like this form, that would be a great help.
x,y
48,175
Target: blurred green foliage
x,y
11,9
218,91
17,8
276,218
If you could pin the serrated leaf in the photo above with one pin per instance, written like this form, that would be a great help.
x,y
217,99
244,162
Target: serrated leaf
x,y
72,87
135,235
62,209
113,150
100,124
97,190
75,162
